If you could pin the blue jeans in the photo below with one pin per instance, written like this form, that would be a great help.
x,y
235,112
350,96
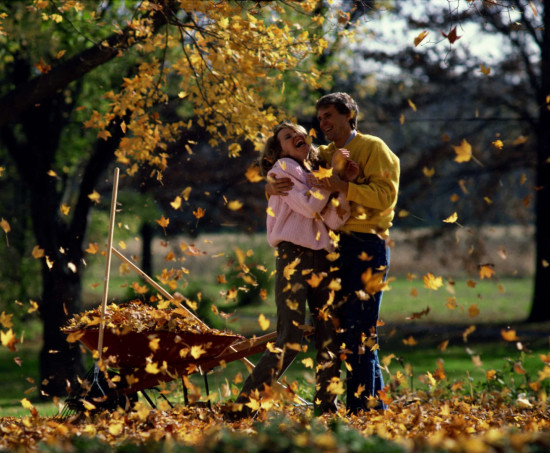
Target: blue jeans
x,y
359,317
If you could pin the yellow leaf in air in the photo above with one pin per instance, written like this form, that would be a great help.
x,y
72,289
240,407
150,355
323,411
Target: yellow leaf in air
x,y
5,320
335,386
93,248
467,333
163,222
432,282
176,204
235,205
197,351
418,39
87,405
34,306
428,172
8,339
152,368
411,105
185,193
463,151
263,322
486,271
4,224
509,335
410,341
498,144
65,209
308,362
52,173
94,196
452,218
270,212
484,70
37,252
315,279
199,213
290,268
323,173
253,174
473,310
154,344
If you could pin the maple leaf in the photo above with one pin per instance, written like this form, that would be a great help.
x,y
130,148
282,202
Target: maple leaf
x,y
486,271
5,320
485,70
199,213
197,351
8,339
290,268
308,362
452,36
432,282
428,172
410,341
463,151
163,222
473,310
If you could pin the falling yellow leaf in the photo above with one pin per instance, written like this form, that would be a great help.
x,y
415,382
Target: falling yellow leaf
x,y
65,209
498,144
463,151
199,213
428,172
253,174
152,368
5,320
270,212
452,218
235,205
94,196
419,38
176,204
410,341
197,351
432,282
486,271
484,69
411,105
473,310
93,248
335,386
323,173
185,193
290,268
467,333
509,335
154,344
163,222
8,339
308,362
263,322
4,224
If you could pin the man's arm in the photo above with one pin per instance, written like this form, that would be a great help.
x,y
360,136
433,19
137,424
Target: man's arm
x,y
278,186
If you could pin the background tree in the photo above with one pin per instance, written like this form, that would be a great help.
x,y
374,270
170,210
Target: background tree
x,y
219,60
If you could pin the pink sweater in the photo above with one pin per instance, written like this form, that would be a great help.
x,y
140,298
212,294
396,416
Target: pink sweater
x,y
300,217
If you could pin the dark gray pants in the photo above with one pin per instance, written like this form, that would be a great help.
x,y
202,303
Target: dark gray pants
x,y
291,293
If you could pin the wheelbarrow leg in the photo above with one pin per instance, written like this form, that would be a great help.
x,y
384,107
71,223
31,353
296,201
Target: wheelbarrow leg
x,y
207,391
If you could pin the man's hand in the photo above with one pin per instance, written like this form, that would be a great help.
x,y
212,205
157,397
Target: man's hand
x,y
279,186
333,184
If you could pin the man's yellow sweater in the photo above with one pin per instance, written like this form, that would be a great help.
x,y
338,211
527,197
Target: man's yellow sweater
x,y
373,195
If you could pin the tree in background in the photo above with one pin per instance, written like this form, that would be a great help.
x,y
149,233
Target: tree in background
x,y
465,103
116,65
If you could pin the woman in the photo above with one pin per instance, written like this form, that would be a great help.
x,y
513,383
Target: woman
x,y
300,226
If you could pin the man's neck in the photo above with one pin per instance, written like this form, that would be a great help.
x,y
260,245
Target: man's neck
x,y
349,138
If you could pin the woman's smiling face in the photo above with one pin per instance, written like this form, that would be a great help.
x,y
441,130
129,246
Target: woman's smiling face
x,y
293,144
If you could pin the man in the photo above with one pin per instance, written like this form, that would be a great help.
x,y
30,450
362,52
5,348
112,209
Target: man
x,y
364,254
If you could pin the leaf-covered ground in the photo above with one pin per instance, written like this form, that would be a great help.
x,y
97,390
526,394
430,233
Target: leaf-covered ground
x,y
412,424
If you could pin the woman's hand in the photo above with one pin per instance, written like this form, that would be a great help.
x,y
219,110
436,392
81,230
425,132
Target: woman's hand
x,y
280,186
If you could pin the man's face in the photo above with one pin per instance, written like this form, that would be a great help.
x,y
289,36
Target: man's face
x,y
334,125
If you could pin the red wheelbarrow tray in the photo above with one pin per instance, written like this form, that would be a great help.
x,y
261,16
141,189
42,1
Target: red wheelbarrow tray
x,y
131,353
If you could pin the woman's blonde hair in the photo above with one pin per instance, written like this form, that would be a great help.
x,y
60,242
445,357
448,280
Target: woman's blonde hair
x,y
272,148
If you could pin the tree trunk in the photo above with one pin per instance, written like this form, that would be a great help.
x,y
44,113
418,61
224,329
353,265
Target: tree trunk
x,y
540,309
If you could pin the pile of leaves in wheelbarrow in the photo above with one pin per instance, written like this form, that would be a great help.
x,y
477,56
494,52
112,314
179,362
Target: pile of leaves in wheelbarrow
x,y
136,316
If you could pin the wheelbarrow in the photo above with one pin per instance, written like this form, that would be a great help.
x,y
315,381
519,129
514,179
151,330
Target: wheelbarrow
x,y
128,353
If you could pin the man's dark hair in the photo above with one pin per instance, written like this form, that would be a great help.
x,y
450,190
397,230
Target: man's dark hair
x,y
343,102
